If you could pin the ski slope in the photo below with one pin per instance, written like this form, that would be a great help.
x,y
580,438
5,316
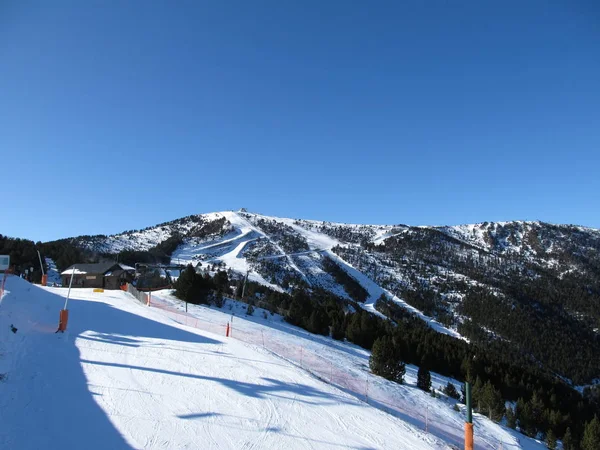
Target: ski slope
x,y
346,365
228,250
53,273
125,376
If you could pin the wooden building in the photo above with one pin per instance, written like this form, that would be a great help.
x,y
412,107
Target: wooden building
x,y
101,275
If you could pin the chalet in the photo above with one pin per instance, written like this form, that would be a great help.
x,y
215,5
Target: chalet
x,y
109,275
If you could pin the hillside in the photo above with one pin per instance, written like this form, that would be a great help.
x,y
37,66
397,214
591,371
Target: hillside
x,y
529,288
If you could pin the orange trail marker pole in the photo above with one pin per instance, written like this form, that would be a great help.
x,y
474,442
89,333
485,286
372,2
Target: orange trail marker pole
x,y
63,317
468,436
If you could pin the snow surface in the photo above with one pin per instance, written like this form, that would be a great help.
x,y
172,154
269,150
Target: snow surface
x,y
52,272
73,271
126,376
347,365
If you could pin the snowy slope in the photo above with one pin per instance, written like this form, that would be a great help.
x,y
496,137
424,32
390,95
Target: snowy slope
x,y
125,376
345,361
53,274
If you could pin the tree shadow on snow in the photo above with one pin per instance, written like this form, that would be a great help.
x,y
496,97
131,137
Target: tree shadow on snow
x,y
51,403
274,388
112,324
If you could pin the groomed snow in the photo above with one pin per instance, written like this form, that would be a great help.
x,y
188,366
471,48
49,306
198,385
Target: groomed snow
x,y
347,365
125,376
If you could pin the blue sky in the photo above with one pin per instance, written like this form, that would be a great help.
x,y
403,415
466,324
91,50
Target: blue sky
x,y
120,115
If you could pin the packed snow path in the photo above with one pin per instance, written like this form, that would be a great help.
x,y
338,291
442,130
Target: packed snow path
x,y
124,376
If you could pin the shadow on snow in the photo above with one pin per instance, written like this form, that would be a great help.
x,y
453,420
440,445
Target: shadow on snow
x,y
55,406
272,387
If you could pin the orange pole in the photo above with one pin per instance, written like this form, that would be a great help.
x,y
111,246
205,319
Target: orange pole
x,y
44,280
63,319
227,330
468,436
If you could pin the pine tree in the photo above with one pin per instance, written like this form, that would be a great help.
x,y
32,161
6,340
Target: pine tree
x,y
491,402
450,391
385,360
567,440
550,440
511,418
423,378
184,283
219,299
591,435
476,392
537,411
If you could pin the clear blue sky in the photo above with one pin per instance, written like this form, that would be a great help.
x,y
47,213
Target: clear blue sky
x,y
119,115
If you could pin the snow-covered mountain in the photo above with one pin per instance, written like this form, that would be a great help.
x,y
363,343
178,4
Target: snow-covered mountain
x,y
470,281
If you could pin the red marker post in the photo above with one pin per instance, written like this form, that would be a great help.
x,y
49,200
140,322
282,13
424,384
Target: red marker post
x,y
63,317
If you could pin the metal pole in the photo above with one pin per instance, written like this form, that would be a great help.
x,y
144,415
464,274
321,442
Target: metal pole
x,y
469,421
41,265
244,287
468,396
69,291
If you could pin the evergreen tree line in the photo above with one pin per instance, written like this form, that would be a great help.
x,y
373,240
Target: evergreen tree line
x,y
159,254
23,256
196,288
